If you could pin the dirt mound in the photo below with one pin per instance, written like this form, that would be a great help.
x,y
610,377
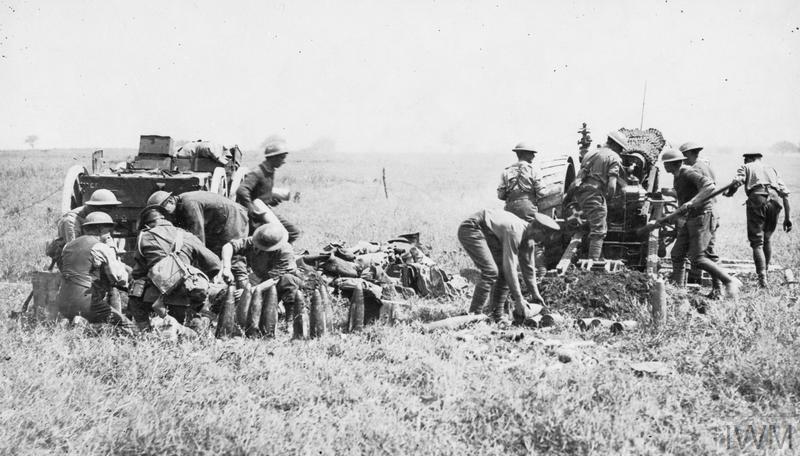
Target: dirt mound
x,y
595,294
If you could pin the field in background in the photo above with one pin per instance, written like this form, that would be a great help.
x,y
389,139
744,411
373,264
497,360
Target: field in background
x,y
391,389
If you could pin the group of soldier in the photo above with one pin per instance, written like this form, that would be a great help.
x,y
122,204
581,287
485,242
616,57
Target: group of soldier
x,y
217,242
497,241
213,240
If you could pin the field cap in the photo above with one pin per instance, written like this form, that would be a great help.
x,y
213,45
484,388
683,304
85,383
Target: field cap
x,y
546,221
753,154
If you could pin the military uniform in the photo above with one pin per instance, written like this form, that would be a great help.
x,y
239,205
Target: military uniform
x,y
698,231
278,264
257,184
520,187
764,189
154,244
69,225
90,269
492,240
704,168
597,167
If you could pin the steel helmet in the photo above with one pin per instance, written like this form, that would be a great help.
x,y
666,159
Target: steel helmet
x,y
690,146
525,147
158,198
275,149
98,219
270,237
619,138
103,197
150,214
672,155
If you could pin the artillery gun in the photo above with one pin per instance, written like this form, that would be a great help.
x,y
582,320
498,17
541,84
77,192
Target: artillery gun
x,y
638,203
157,166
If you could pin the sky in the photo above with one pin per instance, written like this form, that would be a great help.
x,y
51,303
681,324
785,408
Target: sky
x,y
397,76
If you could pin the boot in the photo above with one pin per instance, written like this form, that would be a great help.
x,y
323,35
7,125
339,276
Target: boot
x,y
595,249
732,288
762,279
678,276
716,290
759,258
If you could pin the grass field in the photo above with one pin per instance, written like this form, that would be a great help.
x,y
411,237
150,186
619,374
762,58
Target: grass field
x,y
393,389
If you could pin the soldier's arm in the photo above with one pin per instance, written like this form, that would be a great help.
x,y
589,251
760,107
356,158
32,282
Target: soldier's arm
x,y
703,183
67,227
105,257
613,173
286,262
502,189
207,260
738,180
244,194
536,182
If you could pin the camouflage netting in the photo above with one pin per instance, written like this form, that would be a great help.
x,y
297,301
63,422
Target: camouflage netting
x,y
650,142
582,294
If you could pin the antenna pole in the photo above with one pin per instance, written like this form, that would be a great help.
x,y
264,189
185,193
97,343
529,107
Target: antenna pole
x,y
644,96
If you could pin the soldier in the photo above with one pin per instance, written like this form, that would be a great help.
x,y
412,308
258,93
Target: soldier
x,y
764,187
156,240
214,219
597,182
521,187
692,188
269,256
90,271
520,184
498,241
691,152
69,226
258,183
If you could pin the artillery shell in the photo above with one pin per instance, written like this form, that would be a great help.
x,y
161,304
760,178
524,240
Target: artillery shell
x,y
357,309
317,319
586,324
551,319
268,322
620,326
256,307
300,323
243,307
226,325
325,294
658,303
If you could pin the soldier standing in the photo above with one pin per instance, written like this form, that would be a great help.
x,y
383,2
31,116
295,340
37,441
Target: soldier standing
x,y
764,188
691,152
521,187
597,182
90,271
692,188
258,183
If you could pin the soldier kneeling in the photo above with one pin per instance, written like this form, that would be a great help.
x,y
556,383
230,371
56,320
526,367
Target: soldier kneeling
x,y
91,270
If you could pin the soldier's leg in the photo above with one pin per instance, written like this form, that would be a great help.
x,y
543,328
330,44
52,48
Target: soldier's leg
x,y
594,209
773,211
679,253
699,229
140,311
294,231
474,241
716,285
756,220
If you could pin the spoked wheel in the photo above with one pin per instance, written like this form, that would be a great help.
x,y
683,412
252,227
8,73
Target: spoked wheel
x,y
236,180
71,196
219,182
